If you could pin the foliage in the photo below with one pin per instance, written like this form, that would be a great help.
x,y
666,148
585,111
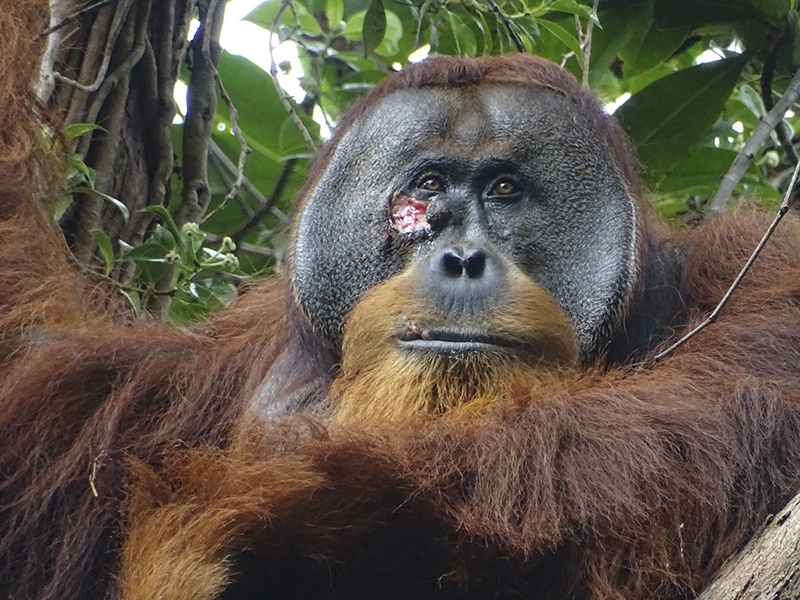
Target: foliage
x,y
696,77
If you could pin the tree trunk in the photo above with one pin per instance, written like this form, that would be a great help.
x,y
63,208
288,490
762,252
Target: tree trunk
x,y
769,566
118,68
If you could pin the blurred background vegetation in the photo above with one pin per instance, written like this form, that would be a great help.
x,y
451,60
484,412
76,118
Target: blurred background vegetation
x,y
178,207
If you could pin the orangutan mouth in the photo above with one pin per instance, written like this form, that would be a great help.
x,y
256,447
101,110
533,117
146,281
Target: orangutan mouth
x,y
450,341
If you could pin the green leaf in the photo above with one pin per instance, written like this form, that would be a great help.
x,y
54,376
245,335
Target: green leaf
x,y
184,245
163,237
527,29
106,248
353,30
122,208
670,208
657,46
393,36
264,16
573,8
668,119
374,27
486,31
566,37
78,165
78,129
752,100
623,24
262,170
465,39
394,28
699,175
194,300
700,13
354,25
147,252
334,12
387,48
253,93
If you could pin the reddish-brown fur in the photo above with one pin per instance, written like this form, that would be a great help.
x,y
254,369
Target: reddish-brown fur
x,y
631,483
638,482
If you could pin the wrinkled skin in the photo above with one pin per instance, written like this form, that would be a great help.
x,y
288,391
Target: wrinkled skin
x,y
569,222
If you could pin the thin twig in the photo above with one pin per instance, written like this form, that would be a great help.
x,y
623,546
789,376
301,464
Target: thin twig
x,y
244,149
218,155
268,204
273,71
745,157
508,25
227,174
93,474
715,313
586,46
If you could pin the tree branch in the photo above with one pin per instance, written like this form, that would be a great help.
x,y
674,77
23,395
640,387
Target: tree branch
x,y
222,159
244,149
201,98
745,157
46,83
268,203
585,40
111,99
116,26
60,21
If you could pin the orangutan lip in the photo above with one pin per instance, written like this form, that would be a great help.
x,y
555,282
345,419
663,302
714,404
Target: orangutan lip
x,y
440,340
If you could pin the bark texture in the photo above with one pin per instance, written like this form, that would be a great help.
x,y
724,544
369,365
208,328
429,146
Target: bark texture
x,y
119,70
769,567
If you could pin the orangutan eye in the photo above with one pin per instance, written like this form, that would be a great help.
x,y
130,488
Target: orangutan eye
x,y
505,187
430,182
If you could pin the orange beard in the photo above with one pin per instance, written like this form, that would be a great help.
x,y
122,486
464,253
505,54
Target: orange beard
x,y
380,381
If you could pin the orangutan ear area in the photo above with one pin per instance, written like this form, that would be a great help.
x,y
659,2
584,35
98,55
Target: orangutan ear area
x,y
451,394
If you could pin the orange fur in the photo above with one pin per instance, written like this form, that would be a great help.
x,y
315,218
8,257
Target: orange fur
x,y
379,382
229,504
635,482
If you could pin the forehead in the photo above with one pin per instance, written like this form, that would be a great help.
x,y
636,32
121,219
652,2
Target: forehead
x,y
495,118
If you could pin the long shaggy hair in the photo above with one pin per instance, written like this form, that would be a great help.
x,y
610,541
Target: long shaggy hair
x,y
633,483
131,468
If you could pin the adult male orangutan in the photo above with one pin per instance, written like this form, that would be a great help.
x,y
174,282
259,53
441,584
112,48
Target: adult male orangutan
x,y
450,393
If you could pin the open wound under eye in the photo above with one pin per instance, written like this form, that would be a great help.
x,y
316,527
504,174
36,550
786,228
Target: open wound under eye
x,y
408,214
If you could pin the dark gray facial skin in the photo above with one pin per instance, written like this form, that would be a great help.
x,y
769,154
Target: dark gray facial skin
x,y
569,223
